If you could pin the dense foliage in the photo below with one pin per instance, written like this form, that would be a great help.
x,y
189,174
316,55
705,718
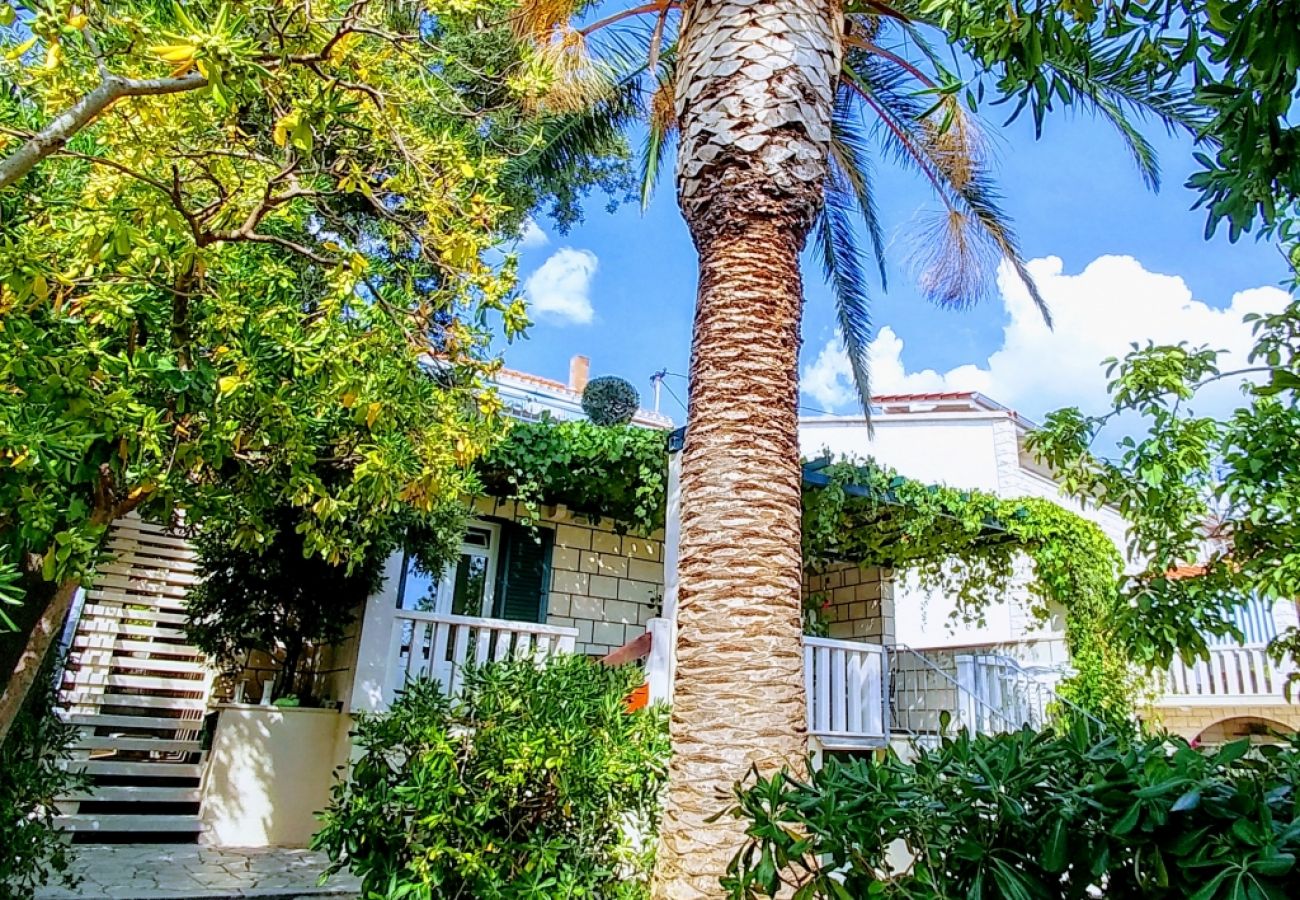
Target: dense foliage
x,y
257,275
610,400
619,472
966,544
32,774
274,599
1212,501
1239,57
1031,815
531,783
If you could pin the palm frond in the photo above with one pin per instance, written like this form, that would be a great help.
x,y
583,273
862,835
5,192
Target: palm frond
x,y
1117,93
537,21
835,246
566,143
661,129
851,162
956,269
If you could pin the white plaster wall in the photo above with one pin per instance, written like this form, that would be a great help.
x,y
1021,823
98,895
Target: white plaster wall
x,y
963,450
269,773
958,452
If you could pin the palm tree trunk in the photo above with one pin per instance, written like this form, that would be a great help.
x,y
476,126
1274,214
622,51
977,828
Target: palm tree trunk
x,y
755,84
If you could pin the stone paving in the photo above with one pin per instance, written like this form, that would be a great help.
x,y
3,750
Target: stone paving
x,y
175,871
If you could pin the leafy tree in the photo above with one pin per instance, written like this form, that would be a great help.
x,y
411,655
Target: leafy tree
x,y
766,102
264,288
33,772
1212,501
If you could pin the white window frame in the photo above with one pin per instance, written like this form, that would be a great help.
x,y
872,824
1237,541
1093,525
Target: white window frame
x,y
442,601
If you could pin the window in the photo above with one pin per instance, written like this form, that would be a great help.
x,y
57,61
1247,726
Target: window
x,y
503,572
465,587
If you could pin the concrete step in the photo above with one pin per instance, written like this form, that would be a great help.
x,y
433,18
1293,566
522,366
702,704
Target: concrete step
x,y
137,744
142,615
132,824
137,793
156,723
137,768
121,646
141,701
149,682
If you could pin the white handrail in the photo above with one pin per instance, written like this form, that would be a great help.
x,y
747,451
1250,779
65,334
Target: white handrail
x,y
1230,674
438,646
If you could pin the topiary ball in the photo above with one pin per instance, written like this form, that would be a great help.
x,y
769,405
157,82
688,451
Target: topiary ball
x,y
610,400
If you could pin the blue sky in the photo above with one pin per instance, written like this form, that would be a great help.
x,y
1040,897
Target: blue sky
x,y
1133,265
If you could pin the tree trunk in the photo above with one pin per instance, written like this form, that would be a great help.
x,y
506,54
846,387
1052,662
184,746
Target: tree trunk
x,y
755,86
34,654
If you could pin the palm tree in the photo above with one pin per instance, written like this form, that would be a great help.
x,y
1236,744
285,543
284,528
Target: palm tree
x,y
766,100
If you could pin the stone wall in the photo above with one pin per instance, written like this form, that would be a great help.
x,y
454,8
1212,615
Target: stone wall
x,y
606,585
1217,724
858,602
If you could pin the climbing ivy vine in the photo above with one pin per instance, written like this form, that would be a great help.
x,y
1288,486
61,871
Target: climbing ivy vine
x,y
967,544
618,472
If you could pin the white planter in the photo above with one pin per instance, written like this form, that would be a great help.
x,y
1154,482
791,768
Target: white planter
x,y
269,772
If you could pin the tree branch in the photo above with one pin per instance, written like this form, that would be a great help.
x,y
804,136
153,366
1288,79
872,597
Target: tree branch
x,y
62,128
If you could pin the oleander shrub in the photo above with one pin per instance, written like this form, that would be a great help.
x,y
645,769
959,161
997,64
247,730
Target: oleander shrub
x,y
533,782
32,849
610,400
1030,815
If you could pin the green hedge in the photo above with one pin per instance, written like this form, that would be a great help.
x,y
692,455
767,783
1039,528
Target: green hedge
x,y
1032,815
532,783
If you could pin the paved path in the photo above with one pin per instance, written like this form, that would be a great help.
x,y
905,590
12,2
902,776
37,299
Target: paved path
x,y
175,871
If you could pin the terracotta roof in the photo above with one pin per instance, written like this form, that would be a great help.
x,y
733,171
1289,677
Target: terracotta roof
x,y
538,380
922,398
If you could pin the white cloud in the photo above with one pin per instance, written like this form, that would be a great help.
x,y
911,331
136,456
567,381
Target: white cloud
x,y
559,288
1112,303
531,235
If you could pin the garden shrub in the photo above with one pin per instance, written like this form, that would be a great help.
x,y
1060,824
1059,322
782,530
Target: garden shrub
x,y
1032,815
610,400
32,849
533,782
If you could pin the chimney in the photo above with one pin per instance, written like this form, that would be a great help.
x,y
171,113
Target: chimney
x,y
579,370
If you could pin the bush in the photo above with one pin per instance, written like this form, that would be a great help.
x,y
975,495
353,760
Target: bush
x,y
531,783
1032,815
610,400
31,777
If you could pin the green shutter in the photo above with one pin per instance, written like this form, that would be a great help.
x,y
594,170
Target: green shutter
x,y
523,573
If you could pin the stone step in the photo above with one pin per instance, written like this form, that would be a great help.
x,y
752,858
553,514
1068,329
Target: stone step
x,y
136,793
144,824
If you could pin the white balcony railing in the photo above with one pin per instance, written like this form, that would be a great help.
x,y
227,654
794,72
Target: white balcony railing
x,y
437,646
844,681
1231,675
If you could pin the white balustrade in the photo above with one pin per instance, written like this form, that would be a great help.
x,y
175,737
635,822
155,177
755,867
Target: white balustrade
x,y
1230,674
844,682
438,646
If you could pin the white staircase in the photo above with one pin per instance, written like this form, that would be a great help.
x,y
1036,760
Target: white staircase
x,y
141,693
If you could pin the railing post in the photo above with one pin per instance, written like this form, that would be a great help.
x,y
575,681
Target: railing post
x,y
967,694
659,665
